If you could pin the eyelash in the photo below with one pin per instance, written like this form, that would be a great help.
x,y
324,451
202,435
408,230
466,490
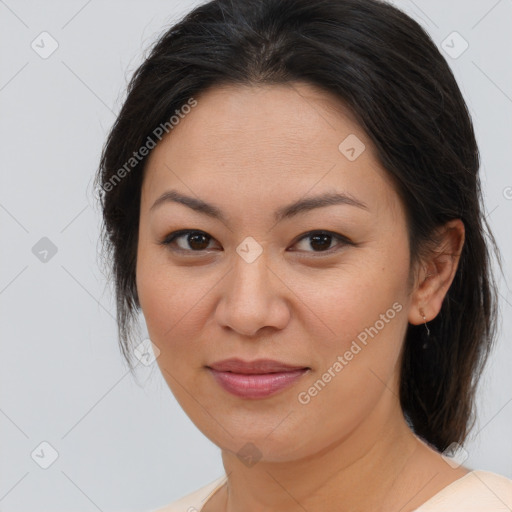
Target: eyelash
x,y
171,237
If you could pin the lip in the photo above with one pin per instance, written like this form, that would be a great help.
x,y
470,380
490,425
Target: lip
x,y
257,366
255,379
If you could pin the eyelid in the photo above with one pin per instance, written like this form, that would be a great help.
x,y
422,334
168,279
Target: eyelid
x,y
343,240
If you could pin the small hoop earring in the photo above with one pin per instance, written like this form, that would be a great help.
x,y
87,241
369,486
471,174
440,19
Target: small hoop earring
x,y
422,313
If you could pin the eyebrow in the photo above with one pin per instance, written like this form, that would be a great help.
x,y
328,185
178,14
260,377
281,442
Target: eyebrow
x,y
285,212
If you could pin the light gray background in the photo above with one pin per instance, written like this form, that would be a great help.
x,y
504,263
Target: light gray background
x,y
124,445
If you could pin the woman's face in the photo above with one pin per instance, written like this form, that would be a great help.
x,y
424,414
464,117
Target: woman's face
x,y
255,283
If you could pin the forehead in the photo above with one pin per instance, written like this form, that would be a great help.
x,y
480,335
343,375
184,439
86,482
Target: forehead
x,y
292,116
264,141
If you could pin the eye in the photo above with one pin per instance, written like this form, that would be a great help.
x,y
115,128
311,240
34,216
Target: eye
x,y
197,240
322,241
191,241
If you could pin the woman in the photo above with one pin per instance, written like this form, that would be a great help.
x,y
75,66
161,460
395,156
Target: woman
x,y
291,197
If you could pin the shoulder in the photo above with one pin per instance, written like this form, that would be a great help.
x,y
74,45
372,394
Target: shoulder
x,y
194,501
477,491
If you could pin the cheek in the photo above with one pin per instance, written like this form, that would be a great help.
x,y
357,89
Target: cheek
x,y
173,302
366,329
344,302
364,308
160,296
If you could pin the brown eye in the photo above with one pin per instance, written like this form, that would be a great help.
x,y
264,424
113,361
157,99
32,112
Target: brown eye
x,y
198,241
188,240
321,241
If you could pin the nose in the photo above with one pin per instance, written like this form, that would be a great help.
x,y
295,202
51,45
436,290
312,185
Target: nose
x,y
253,298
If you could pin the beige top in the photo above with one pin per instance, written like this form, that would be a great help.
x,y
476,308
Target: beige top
x,y
476,491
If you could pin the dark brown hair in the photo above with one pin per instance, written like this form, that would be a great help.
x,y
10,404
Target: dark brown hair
x,y
385,68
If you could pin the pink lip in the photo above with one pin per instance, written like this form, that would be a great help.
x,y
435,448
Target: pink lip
x,y
255,379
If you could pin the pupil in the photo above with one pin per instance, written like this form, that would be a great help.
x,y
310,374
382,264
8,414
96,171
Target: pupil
x,y
194,244
316,238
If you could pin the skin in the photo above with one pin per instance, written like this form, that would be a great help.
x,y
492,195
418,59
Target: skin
x,y
249,151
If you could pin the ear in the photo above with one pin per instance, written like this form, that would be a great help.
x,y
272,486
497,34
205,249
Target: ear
x,y
437,273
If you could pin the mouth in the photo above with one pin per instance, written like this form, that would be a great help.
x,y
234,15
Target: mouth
x,y
255,379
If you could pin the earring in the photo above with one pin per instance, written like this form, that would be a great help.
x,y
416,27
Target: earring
x,y
422,313
425,338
